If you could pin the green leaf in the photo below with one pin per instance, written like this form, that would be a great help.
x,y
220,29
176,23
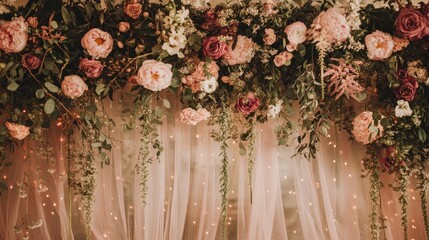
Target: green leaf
x,y
49,106
166,103
100,88
54,24
51,87
242,149
66,15
40,93
13,86
384,122
422,134
92,108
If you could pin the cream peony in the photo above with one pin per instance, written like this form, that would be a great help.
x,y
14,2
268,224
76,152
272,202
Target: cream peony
x,y
154,75
73,86
295,34
13,35
379,45
98,43
334,24
242,53
193,117
18,131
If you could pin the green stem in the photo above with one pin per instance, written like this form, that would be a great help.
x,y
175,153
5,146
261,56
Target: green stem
x,y
403,199
251,156
375,198
224,130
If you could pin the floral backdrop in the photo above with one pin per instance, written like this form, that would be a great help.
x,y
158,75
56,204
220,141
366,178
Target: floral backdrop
x,y
233,65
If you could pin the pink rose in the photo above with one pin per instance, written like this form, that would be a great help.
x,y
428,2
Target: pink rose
x,y
13,35
33,22
335,25
242,53
123,27
91,68
214,48
379,45
133,10
73,86
193,117
247,104
270,36
361,128
295,34
29,61
154,75
282,58
411,24
98,43
17,131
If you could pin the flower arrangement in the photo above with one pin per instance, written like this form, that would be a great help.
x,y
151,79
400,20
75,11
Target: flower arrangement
x,y
229,64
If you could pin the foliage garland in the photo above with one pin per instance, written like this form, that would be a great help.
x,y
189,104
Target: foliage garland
x,y
237,62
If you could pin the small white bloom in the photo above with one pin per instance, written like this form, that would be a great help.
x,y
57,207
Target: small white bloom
x,y
273,110
403,109
172,50
177,38
182,15
209,85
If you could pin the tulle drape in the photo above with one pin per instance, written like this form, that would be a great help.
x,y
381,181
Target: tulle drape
x,y
292,198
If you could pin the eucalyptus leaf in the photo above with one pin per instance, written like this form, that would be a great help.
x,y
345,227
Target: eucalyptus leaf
x,y
40,93
49,106
51,87
166,103
13,86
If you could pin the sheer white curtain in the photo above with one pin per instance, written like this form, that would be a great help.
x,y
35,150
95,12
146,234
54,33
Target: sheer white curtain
x,y
293,198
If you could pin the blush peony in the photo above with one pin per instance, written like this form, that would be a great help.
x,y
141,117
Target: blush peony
x,y
242,53
13,35
17,131
379,45
73,86
334,24
98,43
193,117
154,75
364,129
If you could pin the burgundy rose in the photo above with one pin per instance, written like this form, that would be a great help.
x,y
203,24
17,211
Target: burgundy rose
x,y
388,157
407,90
133,9
402,74
214,48
411,24
29,61
91,68
247,104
